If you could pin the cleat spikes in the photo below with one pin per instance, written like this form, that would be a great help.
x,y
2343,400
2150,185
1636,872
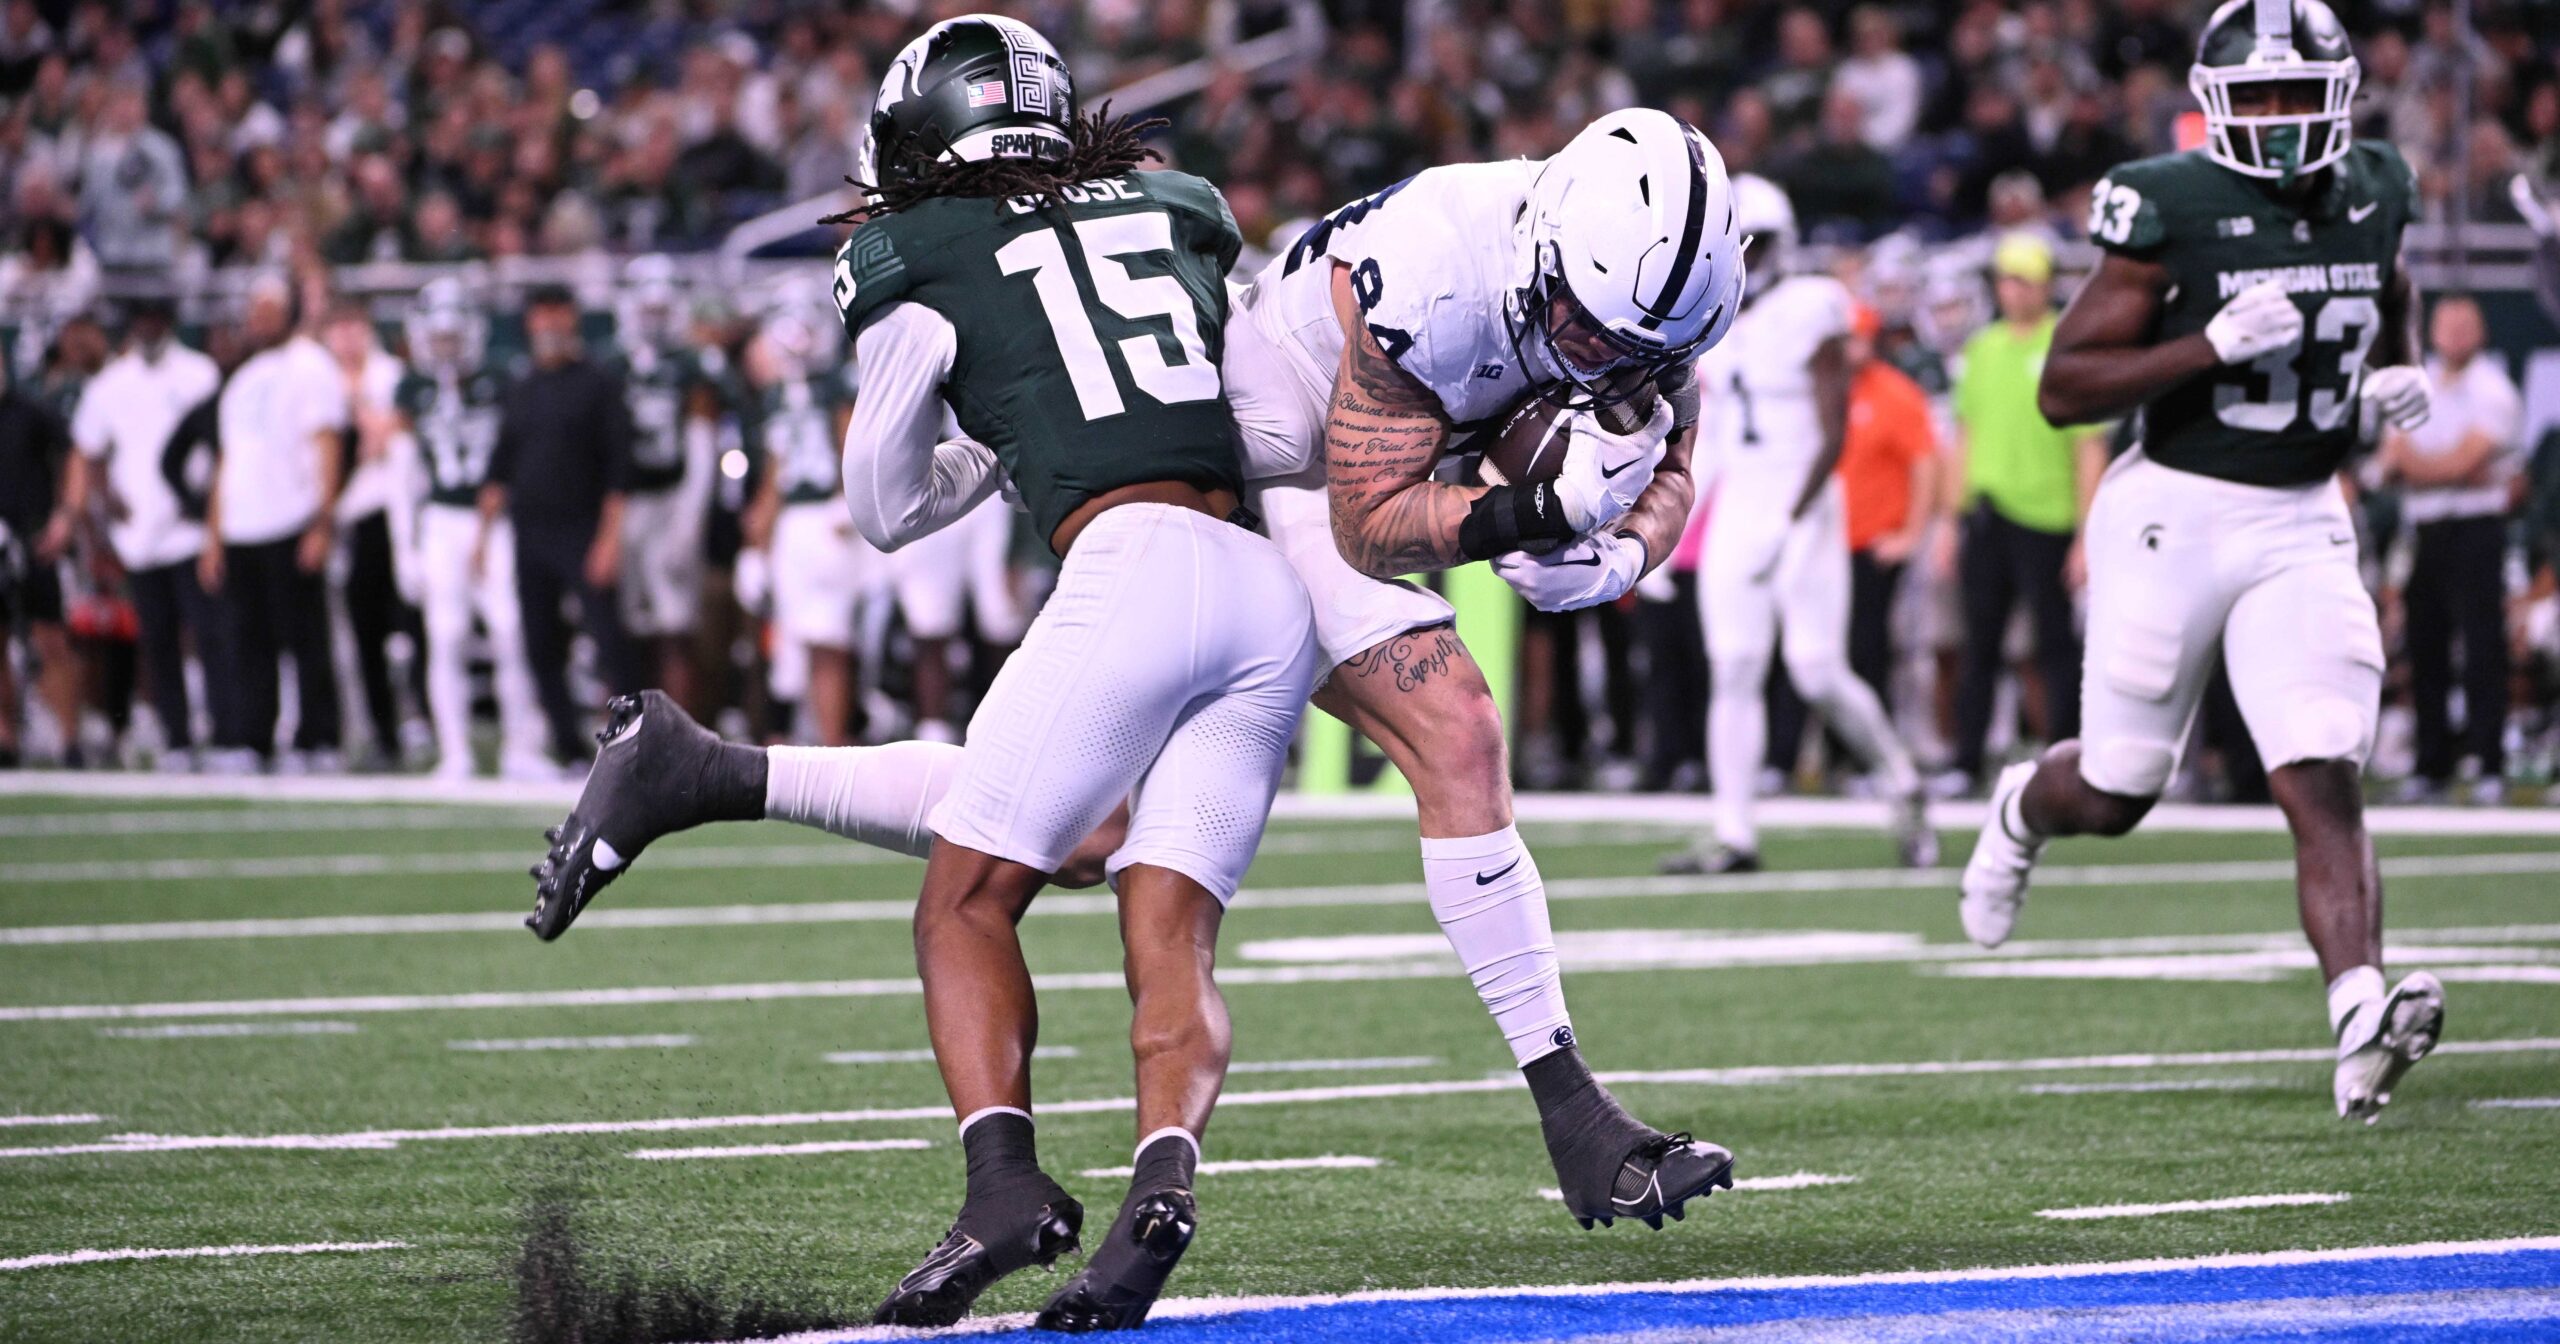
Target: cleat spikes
x,y
1654,1221
1679,1212
1586,1223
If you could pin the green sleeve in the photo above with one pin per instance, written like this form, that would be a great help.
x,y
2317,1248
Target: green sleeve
x,y
2124,212
870,275
2395,176
1214,233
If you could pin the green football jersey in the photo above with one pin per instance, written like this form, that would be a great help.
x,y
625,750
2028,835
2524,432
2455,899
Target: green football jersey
x,y
455,420
2289,417
797,430
1089,331
657,382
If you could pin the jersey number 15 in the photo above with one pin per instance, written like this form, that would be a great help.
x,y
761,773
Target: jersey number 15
x,y
1105,241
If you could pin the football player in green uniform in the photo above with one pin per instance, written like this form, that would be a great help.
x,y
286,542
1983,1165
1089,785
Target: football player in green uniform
x,y
2252,302
678,393
1069,312
449,404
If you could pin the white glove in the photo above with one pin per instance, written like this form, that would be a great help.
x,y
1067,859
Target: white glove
x,y
2400,395
751,580
1604,472
1584,572
2258,319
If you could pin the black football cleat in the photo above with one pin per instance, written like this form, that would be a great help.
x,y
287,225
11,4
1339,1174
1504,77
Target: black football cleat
x,y
1610,1165
939,1291
656,772
1711,859
1120,1282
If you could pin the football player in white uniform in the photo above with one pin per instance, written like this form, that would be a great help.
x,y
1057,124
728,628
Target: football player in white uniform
x,y
818,565
675,391
449,403
1777,557
1352,362
962,569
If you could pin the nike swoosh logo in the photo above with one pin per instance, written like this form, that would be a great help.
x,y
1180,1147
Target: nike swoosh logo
x,y
1488,879
2347,540
1586,560
2358,214
1611,473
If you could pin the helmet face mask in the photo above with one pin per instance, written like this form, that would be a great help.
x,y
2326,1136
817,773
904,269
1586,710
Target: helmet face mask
x,y
1628,262
445,334
2277,80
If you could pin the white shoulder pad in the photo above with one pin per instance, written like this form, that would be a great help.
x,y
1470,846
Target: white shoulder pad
x,y
1431,263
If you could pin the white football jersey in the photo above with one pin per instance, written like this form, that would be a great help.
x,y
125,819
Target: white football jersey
x,y
1433,261
1758,382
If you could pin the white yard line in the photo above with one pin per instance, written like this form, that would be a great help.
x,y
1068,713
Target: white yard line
x,y
1334,1065
1816,882
2189,1206
83,1118
662,1042
2159,1085
1587,953
197,1252
2501,975
1328,1162
191,1030
1794,1180
2520,1104
264,820
1601,808
780,1149
1505,1082
925,1056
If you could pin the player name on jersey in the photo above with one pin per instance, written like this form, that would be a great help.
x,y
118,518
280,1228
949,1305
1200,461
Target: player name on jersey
x,y
2337,277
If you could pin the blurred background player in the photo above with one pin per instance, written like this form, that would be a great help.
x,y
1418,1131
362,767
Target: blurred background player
x,y
448,406
1776,568
818,565
127,469
2224,535
959,571
677,397
560,474
280,455
370,594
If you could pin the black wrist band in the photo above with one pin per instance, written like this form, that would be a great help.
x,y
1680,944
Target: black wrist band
x,y
1507,516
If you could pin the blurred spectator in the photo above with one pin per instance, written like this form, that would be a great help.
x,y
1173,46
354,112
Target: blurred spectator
x,y
1880,78
562,465
2459,471
135,470
33,536
133,184
1796,85
1890,477
2025,485
1842,180
277,469
370,377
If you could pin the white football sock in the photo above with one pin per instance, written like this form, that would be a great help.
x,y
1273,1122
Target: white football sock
x,y
1737,737
2352,990
1486,894
877,795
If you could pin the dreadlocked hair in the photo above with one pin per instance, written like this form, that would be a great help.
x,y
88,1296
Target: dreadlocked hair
x,y
1098,145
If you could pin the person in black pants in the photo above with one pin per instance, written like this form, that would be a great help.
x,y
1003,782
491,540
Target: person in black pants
x,y
2000,564
562,464
276,479
33,447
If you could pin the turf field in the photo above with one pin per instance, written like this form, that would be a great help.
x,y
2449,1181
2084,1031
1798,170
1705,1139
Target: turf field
x,y
708,1110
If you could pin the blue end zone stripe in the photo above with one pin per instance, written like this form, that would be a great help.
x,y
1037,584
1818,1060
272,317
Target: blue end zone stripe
x,y
1565,1317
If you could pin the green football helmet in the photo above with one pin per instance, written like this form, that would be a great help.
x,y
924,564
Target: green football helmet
x,y
977,87
2283,42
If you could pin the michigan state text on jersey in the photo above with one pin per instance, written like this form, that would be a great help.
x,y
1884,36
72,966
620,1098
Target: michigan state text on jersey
x,y
2250,296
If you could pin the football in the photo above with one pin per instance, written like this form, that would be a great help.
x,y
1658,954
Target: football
x,y
1529,443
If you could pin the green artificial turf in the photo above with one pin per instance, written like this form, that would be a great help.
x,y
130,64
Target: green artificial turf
x,y
1950,1169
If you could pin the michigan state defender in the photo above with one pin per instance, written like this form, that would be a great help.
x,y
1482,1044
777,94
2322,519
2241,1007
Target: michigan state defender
x,y
1068,311
2251,295
467,564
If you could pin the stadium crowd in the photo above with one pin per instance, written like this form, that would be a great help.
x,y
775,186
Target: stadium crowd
x,y
176,520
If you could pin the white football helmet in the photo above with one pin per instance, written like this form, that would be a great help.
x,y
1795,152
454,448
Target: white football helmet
x,y
649,309
1629,259
447,334
1766,219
